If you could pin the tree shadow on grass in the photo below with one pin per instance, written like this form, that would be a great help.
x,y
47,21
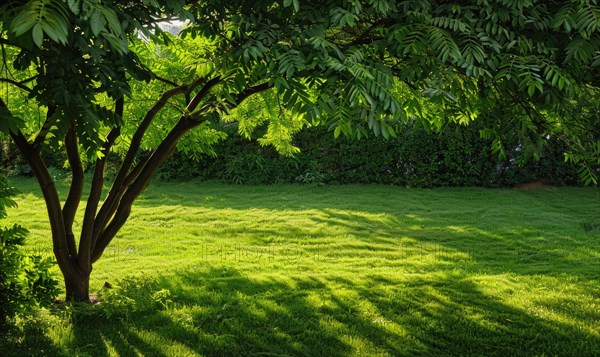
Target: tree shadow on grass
x,y
219,311
28,339
379,217
216,312
452,315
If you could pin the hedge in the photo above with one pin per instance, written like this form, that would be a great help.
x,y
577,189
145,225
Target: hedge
x,y
417,157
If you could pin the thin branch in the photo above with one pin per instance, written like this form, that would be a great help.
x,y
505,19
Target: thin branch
x,y
44,130
366,36
147,168
117,189
136,170
19,85
192,87
87,240
193,104
249,92
165,80
8,71
29,79
136,140
72,202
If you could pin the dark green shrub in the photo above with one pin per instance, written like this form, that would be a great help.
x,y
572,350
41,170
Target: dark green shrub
x,y
25,281
457,156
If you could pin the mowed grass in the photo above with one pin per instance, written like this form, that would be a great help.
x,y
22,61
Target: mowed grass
x,y
335,271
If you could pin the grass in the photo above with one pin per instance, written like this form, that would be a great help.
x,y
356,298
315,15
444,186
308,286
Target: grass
x,y
323,271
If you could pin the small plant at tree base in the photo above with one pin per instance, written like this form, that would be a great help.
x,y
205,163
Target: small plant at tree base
x,y
134,294
25,280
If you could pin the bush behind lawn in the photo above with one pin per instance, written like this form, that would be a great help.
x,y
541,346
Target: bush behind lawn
x,y
455,157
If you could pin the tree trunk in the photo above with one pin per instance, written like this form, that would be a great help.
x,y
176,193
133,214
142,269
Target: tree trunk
x,y
77,285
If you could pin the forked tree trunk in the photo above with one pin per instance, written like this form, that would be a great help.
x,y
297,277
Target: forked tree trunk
x,y
102,222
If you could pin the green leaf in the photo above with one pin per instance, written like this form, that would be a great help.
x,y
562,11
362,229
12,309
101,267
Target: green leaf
x,y
75,6
39,16
9,122
337,131
384,131
97,23
531,90
52,32
229,97
296,3
37,35
21,24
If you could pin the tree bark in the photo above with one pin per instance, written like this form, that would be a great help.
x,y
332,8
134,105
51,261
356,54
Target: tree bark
x,y
77,285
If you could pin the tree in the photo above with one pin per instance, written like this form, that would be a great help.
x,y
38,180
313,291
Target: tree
x,y
357,66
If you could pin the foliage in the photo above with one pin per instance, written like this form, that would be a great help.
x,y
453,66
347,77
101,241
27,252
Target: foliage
x,y
583,135
25,280
416,157
133,295
130,297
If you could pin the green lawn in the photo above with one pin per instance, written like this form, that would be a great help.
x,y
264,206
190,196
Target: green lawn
x,y
343,270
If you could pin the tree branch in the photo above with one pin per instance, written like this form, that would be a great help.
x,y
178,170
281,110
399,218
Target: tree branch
x,y
123,210
87,239
116,190
366,36
136,170
165,80
20,85
148,168
46,183
72,202
61,248
249,92
119,186
193,104
44,130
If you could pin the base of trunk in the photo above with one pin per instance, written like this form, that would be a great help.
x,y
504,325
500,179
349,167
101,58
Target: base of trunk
x,y
78,288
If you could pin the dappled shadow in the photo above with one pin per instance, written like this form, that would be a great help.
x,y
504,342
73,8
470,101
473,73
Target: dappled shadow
x,y
217,312
26,340
220,311
99,337
452,311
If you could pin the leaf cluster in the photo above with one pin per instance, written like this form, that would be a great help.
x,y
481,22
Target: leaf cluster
x,y
25,280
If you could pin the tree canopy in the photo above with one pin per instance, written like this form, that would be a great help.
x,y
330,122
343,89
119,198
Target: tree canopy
x,y
91,76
